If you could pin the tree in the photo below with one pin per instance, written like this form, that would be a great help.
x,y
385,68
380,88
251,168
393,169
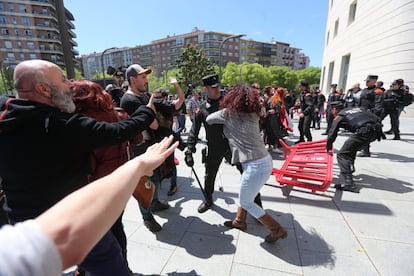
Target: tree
x,y
312,75
193,65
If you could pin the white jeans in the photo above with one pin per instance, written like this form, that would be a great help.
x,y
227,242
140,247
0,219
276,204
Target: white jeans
x,y
255,174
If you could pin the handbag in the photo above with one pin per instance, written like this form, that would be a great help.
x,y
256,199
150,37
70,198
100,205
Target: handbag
x,y
144,192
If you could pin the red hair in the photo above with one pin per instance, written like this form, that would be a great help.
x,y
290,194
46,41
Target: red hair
x,y
278,97
241,98
91,100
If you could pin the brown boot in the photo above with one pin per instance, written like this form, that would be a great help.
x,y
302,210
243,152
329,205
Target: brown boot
x,y
276,230
239,222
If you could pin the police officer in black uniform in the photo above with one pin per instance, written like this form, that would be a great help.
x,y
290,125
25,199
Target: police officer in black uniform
x,y
307,107
365,126
217,144
367,102
392,104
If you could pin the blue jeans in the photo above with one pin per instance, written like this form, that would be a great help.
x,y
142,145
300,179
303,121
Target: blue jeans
x,y
255,174
181,123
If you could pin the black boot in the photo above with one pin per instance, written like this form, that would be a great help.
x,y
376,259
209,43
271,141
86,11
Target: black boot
x,y
207,204
364,153
349,184
396,137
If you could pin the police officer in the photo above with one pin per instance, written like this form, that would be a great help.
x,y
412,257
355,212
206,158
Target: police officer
x,y
332,97
392,104
366,127
367,102
217,144
306,111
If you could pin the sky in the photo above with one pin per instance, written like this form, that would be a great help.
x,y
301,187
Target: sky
x,y
127,23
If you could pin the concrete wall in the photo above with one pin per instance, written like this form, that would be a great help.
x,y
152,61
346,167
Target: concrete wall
x,y
380,41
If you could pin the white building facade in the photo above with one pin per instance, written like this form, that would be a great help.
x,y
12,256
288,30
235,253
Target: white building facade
x,y
369,37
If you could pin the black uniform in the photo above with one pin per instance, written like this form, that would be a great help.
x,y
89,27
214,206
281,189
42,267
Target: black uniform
x,y
217,148
366,128
392,104
307,109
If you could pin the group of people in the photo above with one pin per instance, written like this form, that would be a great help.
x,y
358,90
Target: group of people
x,y
65,149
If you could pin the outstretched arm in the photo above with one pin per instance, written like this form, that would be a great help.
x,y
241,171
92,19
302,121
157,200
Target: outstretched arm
x,y
97,205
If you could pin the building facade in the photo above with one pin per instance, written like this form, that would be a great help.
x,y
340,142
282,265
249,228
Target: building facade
x,y
38,29
161,54
369,37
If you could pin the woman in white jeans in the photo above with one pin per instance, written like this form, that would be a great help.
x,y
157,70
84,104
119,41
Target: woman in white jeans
x,y
239,114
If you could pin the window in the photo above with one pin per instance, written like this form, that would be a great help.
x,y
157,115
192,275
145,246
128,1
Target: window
x,y
352,12
14,20
19,44
336,27
4,31
22,9
17,32
25,21
3,20
10,56
1,7
327,39
28,33
33,56
8,44
11,7
30,45
22,56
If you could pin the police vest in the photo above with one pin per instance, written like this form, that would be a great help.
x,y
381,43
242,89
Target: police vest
x,y
356,117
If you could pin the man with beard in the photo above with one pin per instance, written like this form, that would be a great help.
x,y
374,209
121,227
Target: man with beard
x,y
45,151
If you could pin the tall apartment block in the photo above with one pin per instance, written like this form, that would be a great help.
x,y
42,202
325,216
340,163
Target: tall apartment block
x,y
161,54
37,29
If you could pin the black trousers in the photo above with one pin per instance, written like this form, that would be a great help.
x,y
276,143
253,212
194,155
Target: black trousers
x,y
346,155
394,119
304,128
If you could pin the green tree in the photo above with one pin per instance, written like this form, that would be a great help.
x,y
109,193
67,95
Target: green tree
x,y
312,75
193,65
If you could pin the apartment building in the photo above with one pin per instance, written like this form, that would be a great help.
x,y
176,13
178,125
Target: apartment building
x,y
161,54
369,37
37,29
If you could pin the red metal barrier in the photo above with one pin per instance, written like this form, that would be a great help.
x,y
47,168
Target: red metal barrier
x,y
307,165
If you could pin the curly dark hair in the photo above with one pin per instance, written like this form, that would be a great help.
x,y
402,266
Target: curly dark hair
x,y
241,98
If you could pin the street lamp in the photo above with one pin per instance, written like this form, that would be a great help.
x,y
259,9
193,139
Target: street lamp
x,y
102,62
221,45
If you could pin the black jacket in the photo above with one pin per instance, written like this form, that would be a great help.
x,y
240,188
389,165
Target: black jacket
x,y
45,153
214,133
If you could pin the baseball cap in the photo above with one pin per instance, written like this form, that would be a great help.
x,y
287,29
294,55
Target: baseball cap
x,y
136,69
371,77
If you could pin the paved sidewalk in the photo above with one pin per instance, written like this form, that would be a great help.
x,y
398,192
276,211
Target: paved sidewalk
x,y
331,233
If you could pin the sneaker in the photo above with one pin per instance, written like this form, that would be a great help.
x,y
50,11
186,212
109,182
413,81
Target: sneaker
x,y
350,188
159,206
152,225
172,191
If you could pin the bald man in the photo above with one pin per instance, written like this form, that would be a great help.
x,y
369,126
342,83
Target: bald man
x,y
45,150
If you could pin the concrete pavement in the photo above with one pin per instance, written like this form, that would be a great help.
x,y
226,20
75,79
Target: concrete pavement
x,y
330,233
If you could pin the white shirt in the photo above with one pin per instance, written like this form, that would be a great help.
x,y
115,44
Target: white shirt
x,y
26,250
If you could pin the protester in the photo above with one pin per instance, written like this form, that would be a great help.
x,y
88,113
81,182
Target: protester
x,y
63,235
92,101
239,114
45,150
217,144
135,97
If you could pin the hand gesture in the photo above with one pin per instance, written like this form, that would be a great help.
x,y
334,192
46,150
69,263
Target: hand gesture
x,y
172,80
156,154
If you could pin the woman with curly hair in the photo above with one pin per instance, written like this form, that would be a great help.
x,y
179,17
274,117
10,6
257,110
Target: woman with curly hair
x,y
239,114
